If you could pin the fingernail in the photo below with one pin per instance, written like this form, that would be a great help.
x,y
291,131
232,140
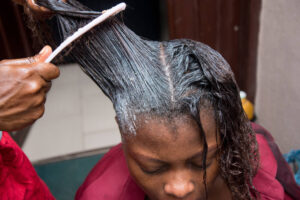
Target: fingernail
x,y
43,50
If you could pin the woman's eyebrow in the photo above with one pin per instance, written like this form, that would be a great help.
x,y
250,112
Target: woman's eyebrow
x,y
147,158
200,154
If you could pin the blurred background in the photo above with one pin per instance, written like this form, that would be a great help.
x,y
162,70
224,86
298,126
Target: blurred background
x,y
259,39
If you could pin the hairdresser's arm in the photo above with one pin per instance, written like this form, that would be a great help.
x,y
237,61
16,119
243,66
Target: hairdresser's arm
x,y
23,87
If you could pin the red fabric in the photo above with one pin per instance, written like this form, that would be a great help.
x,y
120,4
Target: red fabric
x,y
284,173
110,178
18,179
265,181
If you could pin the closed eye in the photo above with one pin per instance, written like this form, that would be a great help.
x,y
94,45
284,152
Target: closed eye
x,y
154,171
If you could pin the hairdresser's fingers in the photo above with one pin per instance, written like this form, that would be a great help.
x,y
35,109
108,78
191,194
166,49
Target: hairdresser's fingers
x,y
48,86
47,71
44,54
36,8
41,57
38,12
20,61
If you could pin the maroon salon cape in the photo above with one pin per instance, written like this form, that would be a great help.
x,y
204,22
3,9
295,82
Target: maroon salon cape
x,y
110,178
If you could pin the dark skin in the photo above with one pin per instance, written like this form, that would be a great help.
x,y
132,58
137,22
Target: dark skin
x,y
24,84
165,159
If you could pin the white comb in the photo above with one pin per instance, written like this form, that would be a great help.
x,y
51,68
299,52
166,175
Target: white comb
x,y
108,13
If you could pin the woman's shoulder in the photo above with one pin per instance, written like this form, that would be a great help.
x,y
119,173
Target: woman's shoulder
x,y
110,179
265,181
274,178
18,179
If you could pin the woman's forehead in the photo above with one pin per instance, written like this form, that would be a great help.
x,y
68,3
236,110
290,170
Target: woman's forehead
x,y
184,130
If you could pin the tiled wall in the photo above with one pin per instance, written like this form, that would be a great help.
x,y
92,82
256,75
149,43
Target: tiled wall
x,y
78,117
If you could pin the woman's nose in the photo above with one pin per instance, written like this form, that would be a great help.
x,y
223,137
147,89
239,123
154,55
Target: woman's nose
x,y
179,188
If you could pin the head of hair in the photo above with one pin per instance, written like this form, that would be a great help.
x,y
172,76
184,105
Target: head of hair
x,y
172,78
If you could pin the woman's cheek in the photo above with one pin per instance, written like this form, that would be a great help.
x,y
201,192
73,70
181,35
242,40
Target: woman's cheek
x,y
152,185
212,174
138,175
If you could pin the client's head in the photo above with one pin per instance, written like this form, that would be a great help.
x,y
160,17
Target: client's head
x,y
166,156
184,132
192,142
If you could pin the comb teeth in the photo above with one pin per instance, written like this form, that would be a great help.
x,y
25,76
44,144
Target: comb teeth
x,y
105,15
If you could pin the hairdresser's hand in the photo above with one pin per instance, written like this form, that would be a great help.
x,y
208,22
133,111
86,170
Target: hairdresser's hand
x,y
24,84
33,9
38,12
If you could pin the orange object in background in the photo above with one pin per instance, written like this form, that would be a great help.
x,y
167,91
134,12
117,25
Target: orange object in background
x,y
247,105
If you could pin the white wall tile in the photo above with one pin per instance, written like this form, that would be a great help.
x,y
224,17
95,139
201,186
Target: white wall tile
x,y
106,138
78,117
63,99
98,114
50,137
